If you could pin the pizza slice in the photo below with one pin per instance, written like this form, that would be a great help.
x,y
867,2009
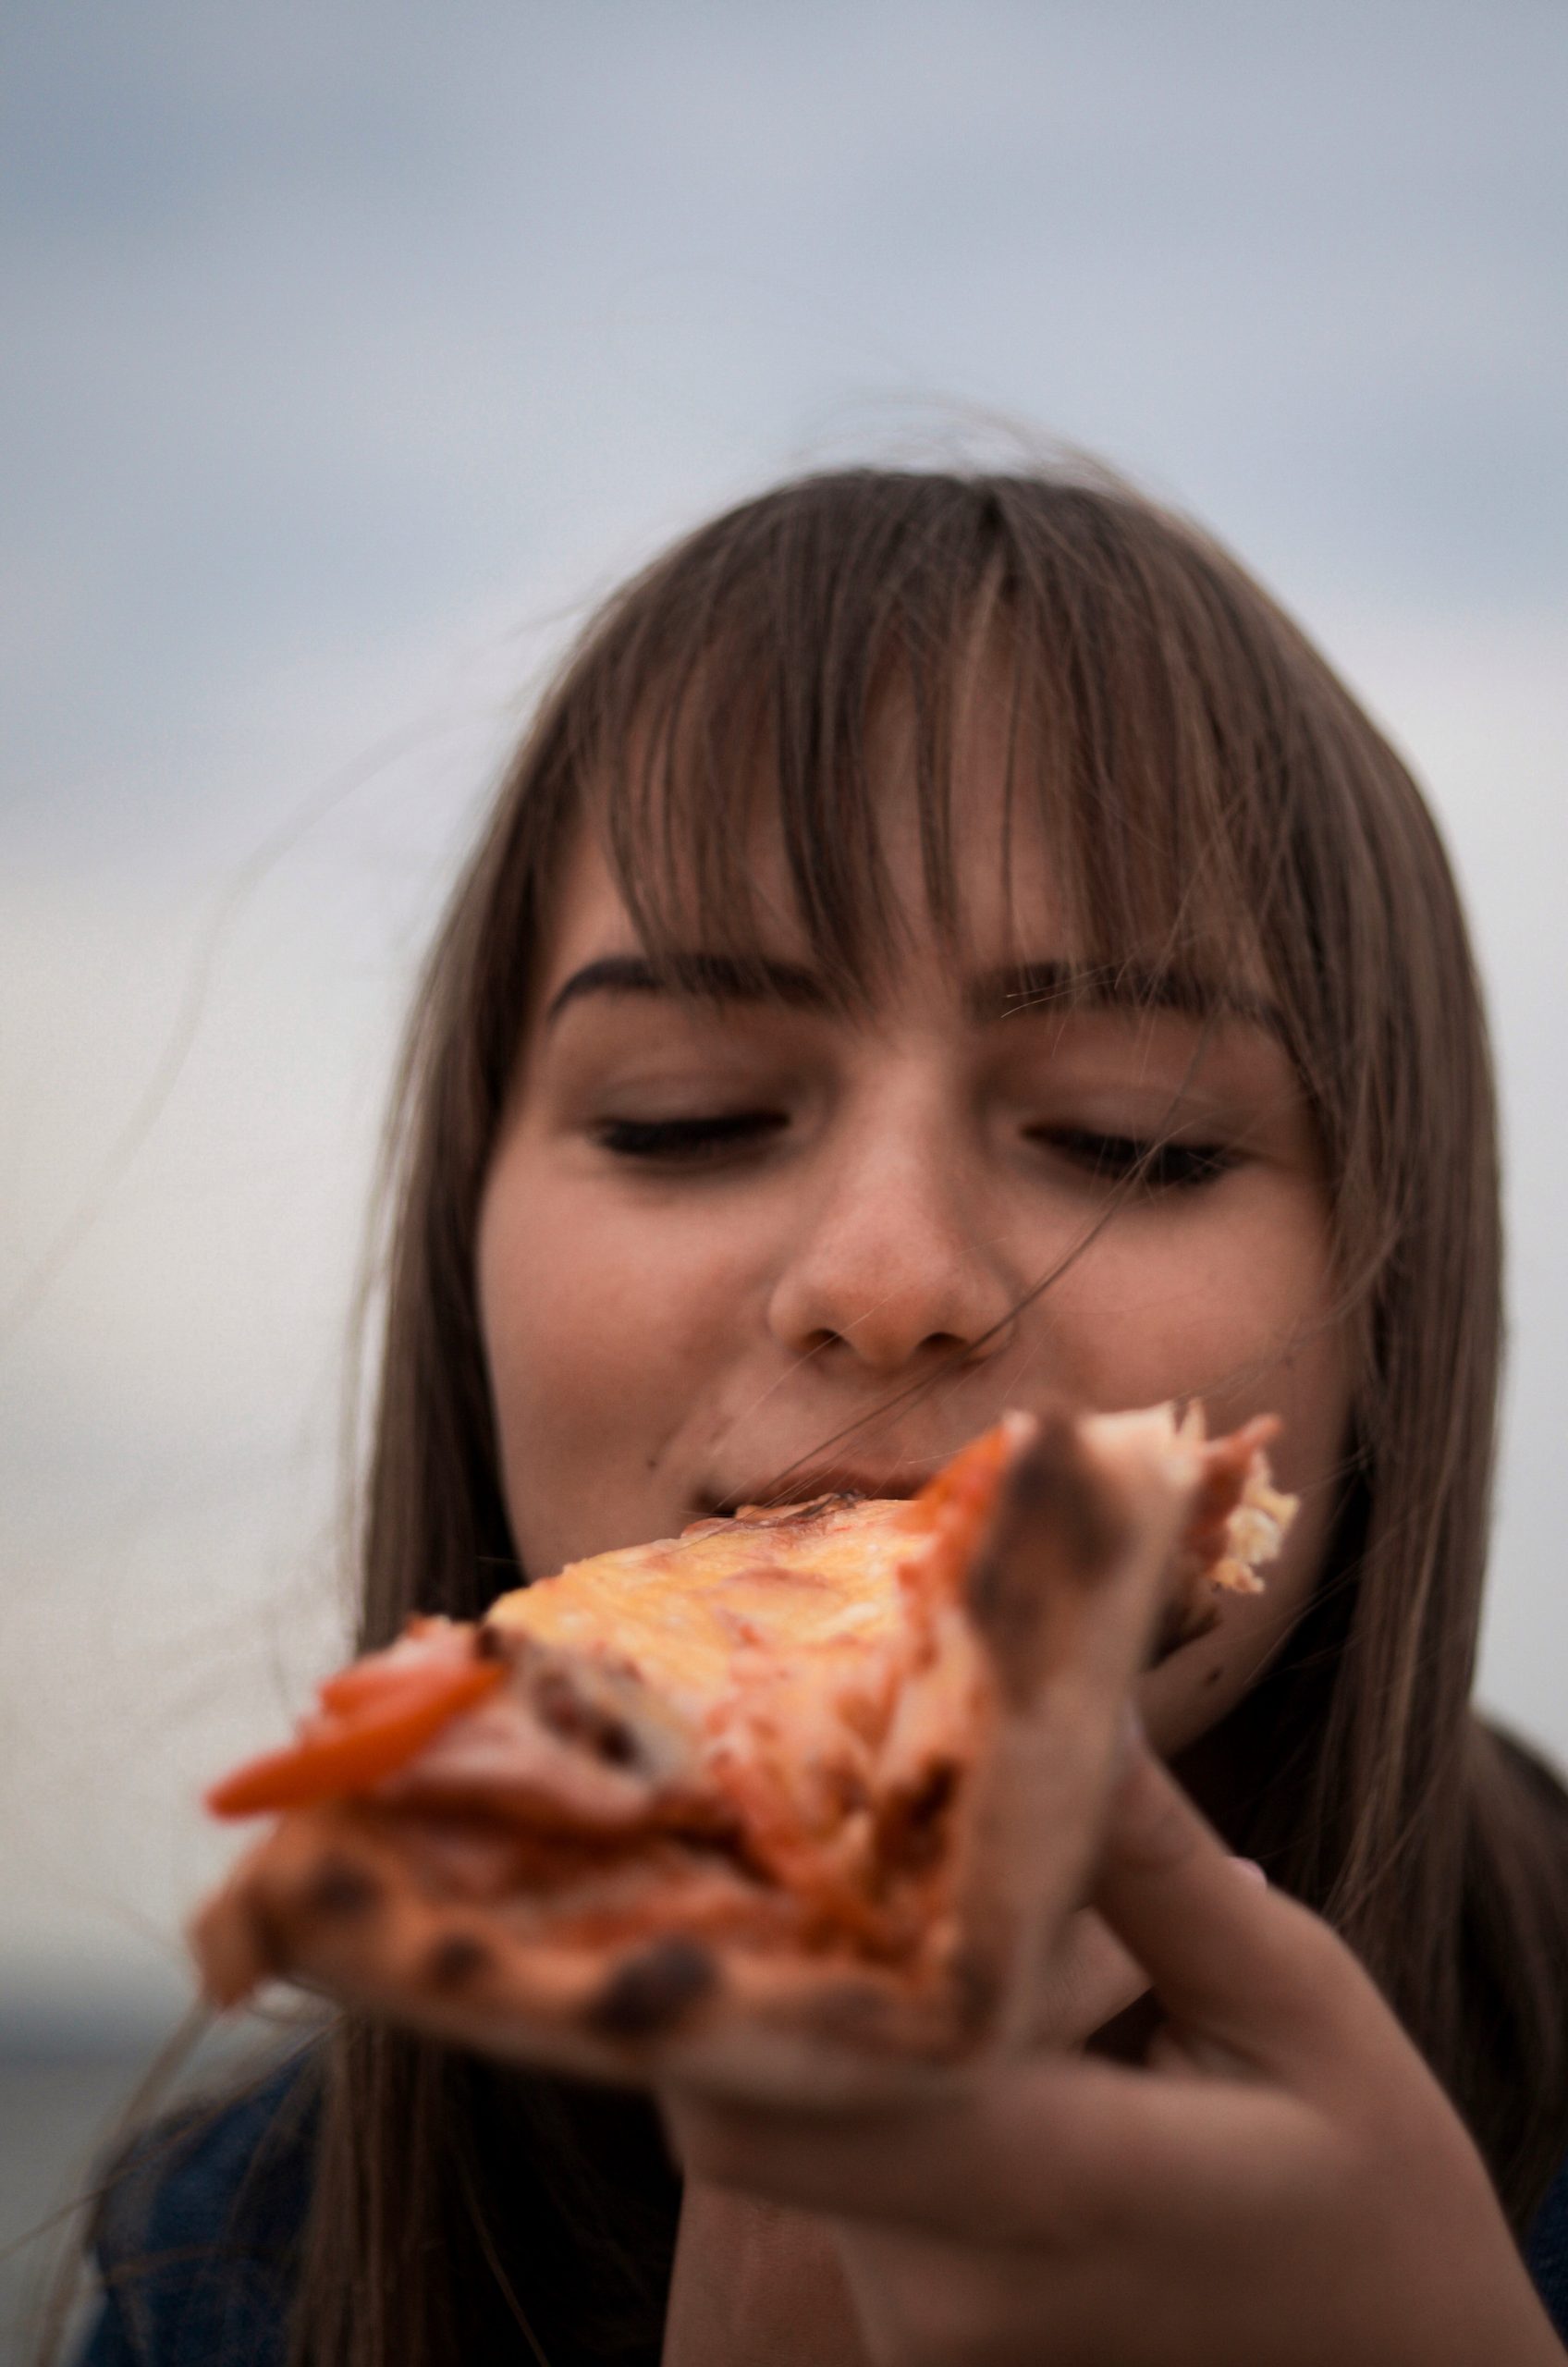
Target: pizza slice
x,y
789,1804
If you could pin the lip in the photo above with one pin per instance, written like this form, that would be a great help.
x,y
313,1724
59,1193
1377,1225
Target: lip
x,y
803,1483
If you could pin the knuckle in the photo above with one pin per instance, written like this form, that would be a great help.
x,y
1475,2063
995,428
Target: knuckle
x,y
1311,1965
1153,1830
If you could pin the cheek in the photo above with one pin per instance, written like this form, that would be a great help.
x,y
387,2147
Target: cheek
x,y
552,1338
1232,1304
1242,1314
603,1336
573,1302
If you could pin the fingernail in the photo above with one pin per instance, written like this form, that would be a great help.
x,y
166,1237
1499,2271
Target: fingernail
x,y
1250,1872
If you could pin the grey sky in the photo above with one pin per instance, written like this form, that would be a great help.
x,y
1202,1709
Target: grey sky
x,y
349,351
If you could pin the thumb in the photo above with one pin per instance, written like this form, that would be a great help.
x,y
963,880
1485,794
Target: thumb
x,y
1230,1959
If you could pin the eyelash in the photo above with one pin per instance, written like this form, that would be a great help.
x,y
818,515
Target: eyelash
x,y
1118,1158
1151,1165
687,1140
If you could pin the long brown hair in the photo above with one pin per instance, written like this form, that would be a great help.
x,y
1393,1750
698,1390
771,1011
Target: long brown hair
x,y
1213,796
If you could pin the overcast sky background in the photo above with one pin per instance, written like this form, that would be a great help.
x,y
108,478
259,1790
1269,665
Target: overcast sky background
x,y
349,352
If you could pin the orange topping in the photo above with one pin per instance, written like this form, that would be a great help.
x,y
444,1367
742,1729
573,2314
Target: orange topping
x,y
373,1718
953,1507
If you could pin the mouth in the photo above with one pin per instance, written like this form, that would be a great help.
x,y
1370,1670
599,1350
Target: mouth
x,y
808,1483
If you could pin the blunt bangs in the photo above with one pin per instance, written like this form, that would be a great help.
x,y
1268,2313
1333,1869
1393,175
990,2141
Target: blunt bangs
x,y
800,664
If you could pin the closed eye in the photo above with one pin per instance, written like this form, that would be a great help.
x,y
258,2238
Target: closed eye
x,y
1150,1163
688,1141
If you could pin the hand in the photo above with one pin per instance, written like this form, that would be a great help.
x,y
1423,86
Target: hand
x,y
759,2285
1285,2182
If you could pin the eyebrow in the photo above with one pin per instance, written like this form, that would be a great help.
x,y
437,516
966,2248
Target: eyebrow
x,y
1020,987
713,978
1006,992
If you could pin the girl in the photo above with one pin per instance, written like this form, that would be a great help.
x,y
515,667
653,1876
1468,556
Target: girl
x,y
950,942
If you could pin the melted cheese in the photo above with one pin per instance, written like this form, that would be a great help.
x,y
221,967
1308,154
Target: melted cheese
x,y
692,1616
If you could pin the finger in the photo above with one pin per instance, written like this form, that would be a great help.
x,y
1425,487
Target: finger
x,y
1064,1592
1232,1959
756,2286
1060,2152
1090,1980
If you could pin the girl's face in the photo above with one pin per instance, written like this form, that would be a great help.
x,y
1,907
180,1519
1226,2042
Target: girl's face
x,y
723,1230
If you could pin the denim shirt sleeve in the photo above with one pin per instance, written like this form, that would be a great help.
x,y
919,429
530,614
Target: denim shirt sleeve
x,y
1546,2253
197,2239
107,2343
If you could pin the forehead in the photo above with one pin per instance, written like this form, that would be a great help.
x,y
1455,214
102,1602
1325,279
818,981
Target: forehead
x,y
1002,898
592,918
903,823
960,808
596,953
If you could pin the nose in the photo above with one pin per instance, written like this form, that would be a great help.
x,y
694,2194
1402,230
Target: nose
x,y
892,1264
